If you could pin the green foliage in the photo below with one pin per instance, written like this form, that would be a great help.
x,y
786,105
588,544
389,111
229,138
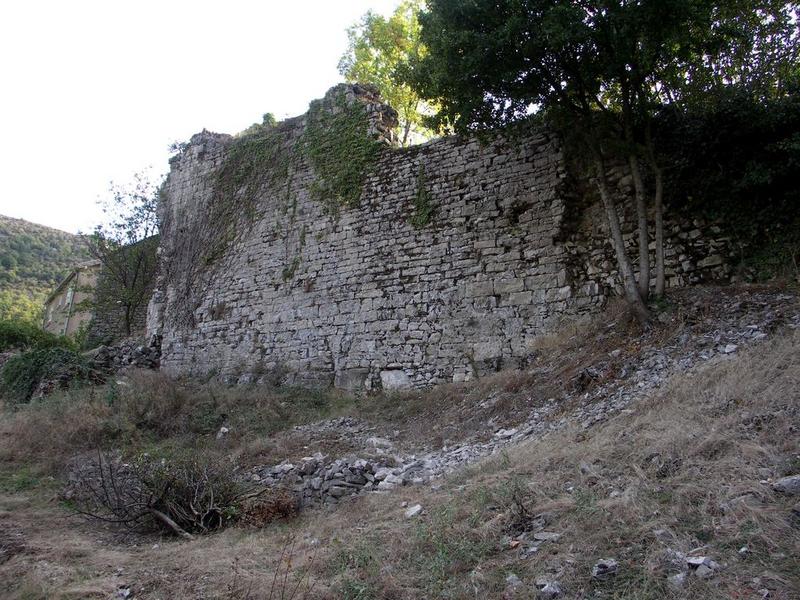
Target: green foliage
x,y
379,49
125,245
22,304
444,552
338,146
257,157
289,270
22,335
19,479
751,184
492,63
22,374
423,209
33,259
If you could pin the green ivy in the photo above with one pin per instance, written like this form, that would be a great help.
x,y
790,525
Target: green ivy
x,y
289,271
256,158
337,144
22,374
423,209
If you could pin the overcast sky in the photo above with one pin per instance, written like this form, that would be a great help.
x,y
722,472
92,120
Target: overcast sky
x,y
94,91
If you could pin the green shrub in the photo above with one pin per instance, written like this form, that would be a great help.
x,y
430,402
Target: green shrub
x,y
22,335
23,374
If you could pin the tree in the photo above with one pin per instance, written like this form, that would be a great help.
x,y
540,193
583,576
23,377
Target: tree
x,y
598,67
126,248
378,49
752,46
494,62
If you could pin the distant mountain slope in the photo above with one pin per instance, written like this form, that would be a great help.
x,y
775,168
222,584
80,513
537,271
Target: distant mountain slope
x,y
33,259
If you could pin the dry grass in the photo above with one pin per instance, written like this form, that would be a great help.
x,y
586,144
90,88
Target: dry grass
x,y
681,471
147,410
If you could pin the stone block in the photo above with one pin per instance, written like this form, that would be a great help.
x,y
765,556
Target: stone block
x,y
395,379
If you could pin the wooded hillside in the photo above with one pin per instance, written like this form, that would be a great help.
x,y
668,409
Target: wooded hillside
x,y
33,259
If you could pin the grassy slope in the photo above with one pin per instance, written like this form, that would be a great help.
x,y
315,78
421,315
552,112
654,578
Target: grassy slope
x,y
33,259
680,470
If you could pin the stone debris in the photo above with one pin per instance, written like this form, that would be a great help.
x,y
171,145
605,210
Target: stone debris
x,y
741,320
702,566
788,485
513,582
413,511
549,590
316,480
128,353
546,536
677,580
605,569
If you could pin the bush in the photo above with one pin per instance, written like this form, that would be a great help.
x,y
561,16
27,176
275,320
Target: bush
x,y
23,335
42,370
183,494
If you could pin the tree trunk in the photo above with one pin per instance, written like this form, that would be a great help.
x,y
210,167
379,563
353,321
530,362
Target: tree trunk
x,y
406,131
632,294
659,208
644,237
658,202
638,184
128,319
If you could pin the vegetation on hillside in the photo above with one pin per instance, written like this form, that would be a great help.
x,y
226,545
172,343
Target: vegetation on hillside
x,y
33,259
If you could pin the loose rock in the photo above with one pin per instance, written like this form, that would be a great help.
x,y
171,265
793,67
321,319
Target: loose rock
x,y
605,569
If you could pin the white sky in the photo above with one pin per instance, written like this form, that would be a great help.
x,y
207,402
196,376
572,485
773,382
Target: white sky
x,y
94,91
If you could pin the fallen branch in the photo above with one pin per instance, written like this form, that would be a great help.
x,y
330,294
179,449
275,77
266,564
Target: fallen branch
x,y
171,524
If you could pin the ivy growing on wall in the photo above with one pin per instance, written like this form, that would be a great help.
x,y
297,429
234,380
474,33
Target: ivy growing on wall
x,y
255,159
423,209
337,144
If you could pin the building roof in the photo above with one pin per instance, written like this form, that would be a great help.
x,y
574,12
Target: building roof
x,y
81,266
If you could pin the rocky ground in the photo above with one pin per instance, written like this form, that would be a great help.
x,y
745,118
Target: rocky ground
x,y
699,327
622,464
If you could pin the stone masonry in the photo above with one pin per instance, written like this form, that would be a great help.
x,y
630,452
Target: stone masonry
x,y
365,299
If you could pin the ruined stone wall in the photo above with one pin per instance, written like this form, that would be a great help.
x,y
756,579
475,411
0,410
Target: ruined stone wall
x,y
372,297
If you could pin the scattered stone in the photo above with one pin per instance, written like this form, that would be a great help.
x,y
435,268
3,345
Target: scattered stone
x,y
605,569
223,431
703,566
504,434
550,590
379,442
677,580
730,349
788,485
546,536
413,511
704,572
123,592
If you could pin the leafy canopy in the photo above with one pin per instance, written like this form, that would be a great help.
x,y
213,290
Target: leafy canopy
x,y
492,62
380,48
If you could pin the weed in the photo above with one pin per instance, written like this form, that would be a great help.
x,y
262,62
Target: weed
x,y
19,479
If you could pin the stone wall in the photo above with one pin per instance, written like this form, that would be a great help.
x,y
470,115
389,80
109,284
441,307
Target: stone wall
x,y
372,297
